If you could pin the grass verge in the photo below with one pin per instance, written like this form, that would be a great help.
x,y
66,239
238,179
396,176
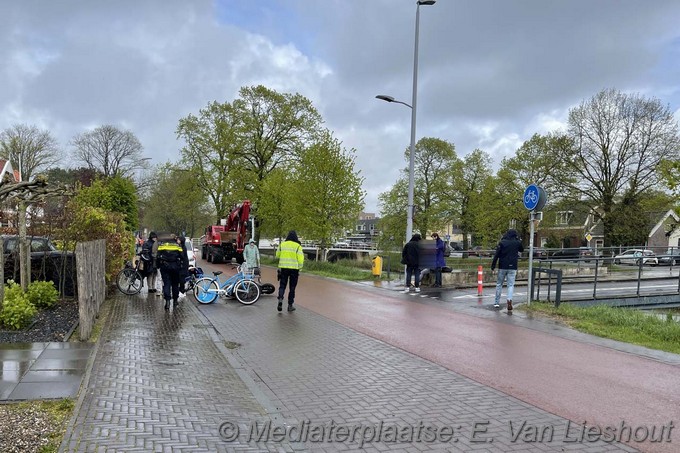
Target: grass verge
x,y
34,426
351,270
622,324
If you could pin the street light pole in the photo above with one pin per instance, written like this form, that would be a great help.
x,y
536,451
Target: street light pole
x,y
414,99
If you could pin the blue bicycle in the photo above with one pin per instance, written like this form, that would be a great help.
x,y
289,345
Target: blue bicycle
x,y
240,285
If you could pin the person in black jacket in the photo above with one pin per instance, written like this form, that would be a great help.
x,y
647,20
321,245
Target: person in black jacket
x,y
410,256
171,261
148,257
507,253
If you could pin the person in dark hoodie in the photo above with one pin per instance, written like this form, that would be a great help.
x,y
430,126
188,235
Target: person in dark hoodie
x,y
507,253
291,259
410,256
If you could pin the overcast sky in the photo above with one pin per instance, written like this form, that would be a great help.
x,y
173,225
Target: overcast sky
x,y
491,72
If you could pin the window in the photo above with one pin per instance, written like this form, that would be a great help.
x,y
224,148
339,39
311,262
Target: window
x,y
564,217
40,245
10,245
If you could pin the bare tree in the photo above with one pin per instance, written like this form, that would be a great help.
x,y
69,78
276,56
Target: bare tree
x,y
109,150
29,149
619,142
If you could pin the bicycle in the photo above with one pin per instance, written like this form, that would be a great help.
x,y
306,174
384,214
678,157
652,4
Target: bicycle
x,y
239,285
195,274
129,280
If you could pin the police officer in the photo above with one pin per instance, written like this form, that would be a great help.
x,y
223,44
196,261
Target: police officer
x,y
171,261
291,259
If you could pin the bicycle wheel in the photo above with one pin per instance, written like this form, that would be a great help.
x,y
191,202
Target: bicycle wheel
x,y
129,281
205,290
247,292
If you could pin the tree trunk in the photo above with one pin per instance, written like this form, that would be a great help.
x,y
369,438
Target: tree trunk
x,y
24,254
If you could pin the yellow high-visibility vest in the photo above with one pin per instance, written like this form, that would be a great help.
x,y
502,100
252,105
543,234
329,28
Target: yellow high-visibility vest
x,y
290,255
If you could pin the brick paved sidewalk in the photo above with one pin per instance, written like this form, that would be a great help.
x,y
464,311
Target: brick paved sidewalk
x,y
160,382
167,381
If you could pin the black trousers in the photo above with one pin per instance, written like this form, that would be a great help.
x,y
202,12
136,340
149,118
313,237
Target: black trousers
x,y
288,276
171,281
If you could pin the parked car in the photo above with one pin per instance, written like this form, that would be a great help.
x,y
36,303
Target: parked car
x,y
478,250
573,253
47,262
671,257
456,246
633,256
341,245
191,252
539,253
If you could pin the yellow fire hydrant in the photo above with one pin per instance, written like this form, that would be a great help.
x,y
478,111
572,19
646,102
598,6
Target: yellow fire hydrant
x,y
377,266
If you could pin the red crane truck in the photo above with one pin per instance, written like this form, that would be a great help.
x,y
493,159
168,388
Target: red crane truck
x,y
224,242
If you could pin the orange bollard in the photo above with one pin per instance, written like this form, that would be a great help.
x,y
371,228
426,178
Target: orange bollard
x,y
480,280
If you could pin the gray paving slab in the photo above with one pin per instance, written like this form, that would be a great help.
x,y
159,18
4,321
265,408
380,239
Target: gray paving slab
x,y
32,371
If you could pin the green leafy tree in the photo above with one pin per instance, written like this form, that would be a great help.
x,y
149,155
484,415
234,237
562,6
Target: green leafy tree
x,y
276,205
497,206
392,223
328,172
434,166
211,152
470,178
115,194
174,204
233,147
88,223
533,163
634,216
435,162
670,175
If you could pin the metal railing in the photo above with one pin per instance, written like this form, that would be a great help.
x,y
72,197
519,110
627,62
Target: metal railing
x,y
604,269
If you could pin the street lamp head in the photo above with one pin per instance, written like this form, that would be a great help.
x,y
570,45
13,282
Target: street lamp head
x,y
426,2
385,98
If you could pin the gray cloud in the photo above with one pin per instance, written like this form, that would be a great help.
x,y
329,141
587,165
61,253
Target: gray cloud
x,y
491,73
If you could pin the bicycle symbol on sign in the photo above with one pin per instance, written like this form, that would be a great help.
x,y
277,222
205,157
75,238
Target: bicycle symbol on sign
x,y
531,198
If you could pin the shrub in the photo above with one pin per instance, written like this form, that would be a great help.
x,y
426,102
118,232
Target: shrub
x,y
42,294
17,311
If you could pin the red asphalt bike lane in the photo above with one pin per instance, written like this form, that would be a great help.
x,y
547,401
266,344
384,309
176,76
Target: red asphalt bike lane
x,y
578,381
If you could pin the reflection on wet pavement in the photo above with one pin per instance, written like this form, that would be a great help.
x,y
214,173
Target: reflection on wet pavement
x,y
31,371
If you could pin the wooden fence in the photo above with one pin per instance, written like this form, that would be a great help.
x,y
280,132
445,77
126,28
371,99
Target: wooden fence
x,y
90,262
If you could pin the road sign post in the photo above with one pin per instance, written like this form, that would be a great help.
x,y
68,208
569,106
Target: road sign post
x,y
534,200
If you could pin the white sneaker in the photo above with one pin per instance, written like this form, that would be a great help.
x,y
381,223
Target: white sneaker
x,y
496,306
417,290
407,290
181,296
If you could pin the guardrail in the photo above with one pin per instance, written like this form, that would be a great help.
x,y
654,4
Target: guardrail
x,y
534,280
601,273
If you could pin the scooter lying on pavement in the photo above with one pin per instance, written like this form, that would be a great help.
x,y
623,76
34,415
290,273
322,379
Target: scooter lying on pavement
x,y
265,288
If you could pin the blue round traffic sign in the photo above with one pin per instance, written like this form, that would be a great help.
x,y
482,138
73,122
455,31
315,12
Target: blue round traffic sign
x,y
534,198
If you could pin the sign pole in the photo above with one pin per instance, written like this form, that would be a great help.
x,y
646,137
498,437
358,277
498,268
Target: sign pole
x,y
534,199
531,254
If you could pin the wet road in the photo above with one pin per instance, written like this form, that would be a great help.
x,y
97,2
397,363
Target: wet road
x,y
581,381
